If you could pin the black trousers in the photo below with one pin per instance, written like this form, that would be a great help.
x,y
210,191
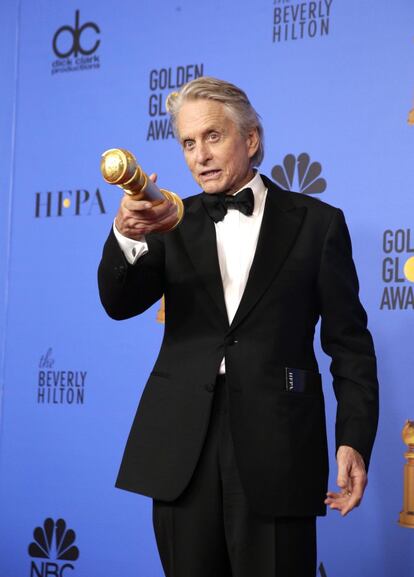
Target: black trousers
x,y
209,530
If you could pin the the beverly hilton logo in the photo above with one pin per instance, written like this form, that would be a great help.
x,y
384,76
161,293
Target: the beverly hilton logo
x,y
398,269
55,543
296,20
298,173
59,387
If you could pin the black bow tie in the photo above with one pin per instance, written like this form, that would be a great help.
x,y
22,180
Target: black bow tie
x,y
217,204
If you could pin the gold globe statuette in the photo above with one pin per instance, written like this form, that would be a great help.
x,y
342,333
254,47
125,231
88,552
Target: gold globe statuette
x,y
407,514
120,167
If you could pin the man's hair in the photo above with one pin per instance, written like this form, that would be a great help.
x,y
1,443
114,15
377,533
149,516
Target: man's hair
x,y
232,97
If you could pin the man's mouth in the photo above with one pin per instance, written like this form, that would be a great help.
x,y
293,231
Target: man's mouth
x,y
209,174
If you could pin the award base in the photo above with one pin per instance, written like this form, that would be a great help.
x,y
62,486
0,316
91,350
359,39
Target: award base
x,y
406,520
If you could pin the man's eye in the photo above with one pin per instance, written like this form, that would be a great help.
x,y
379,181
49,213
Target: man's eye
x,y
214,136
188,144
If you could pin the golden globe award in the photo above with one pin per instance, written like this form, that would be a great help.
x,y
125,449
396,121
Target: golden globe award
x,y
407,514
119,167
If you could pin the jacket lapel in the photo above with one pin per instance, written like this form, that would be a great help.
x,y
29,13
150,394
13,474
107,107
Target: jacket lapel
x,y
280,227
199,236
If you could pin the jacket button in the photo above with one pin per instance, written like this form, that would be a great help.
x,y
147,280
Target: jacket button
x,y
209,387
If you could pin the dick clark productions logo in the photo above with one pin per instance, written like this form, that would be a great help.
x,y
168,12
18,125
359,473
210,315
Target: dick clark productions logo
x,y
51,549
75,46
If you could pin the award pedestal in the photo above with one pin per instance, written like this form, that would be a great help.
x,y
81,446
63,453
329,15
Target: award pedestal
x,y
407,514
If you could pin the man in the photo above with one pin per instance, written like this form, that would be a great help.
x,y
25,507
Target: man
x,y
229,438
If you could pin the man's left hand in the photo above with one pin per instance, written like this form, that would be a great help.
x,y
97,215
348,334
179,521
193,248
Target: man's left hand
x,y
352,480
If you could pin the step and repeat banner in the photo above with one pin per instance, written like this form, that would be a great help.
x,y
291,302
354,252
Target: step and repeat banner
x,y
333,81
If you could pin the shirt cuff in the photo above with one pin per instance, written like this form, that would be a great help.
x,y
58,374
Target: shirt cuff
x,y
132,249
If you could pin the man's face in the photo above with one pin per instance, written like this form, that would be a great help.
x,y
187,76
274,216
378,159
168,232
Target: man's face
x,y
215,151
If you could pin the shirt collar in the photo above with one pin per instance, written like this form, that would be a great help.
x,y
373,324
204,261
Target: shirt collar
x,y
259,191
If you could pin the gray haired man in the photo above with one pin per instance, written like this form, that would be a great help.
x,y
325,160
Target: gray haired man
x,y
229,439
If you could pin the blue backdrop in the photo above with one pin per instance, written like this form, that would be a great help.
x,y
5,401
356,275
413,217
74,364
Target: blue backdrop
x,y
334,82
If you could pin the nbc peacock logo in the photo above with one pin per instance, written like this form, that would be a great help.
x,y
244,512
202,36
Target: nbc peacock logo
x,y
55,543
300,174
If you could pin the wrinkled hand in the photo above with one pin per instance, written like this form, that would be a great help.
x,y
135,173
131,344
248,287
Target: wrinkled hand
x,y
136,218
352,480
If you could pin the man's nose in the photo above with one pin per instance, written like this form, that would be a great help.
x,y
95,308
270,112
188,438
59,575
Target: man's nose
x,y
203,153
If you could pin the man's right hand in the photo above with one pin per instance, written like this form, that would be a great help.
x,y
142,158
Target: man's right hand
x,y
136,218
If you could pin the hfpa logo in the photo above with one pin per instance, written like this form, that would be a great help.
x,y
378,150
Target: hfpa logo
x,y
52,541
80,202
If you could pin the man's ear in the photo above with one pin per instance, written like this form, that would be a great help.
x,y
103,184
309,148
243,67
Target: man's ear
x,y
253,142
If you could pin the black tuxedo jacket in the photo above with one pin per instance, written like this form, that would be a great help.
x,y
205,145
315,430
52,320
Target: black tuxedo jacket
x,y
302,271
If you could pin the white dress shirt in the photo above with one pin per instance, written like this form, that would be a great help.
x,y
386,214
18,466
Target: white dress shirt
x,y
236,236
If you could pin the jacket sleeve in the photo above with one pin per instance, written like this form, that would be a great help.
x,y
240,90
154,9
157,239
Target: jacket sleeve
x,y
346,339
127,290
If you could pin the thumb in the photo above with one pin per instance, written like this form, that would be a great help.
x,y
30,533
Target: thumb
x,y
153,177
343,475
